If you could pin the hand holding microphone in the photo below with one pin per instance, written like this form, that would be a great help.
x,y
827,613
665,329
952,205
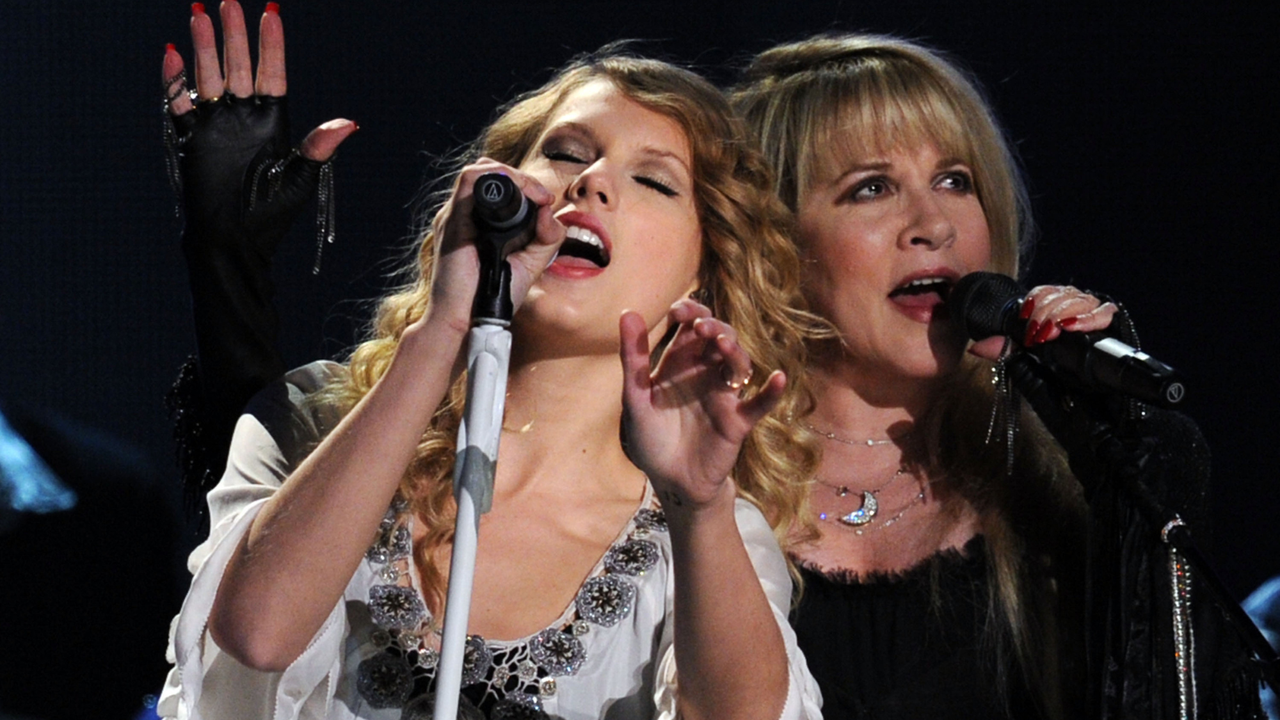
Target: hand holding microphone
x,y
987,304
503,216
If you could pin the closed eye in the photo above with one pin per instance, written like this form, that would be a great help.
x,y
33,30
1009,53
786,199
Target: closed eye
x,y
562,156
653,184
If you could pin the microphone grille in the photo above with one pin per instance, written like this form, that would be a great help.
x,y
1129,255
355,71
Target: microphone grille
x,y
978,303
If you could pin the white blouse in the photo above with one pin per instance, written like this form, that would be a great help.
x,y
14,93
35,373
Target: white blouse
x,y
609,655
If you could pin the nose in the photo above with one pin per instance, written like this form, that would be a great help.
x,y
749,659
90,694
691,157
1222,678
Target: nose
x,y
929,225
592,184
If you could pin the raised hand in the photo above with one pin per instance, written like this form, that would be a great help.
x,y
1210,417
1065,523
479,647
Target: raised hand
x,y
241,181
686,419
242,186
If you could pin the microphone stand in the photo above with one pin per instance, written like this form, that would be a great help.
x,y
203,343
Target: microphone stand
x,y
488,358
1101,451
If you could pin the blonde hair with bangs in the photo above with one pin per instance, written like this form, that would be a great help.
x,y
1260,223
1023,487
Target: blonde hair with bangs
x,y
835,99
749,276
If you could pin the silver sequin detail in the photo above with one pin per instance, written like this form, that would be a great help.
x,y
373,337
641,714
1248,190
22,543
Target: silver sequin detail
x,y
393,543
634,557
476,660
605,600
396,608
581,627
428,658
519,706
407,640
547,686
651,520
527,670
558,653
423,707
385,681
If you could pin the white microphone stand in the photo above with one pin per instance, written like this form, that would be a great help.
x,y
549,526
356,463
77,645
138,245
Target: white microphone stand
x,y
503,215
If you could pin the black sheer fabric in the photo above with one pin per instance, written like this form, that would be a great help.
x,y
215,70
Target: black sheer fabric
x,y
880,647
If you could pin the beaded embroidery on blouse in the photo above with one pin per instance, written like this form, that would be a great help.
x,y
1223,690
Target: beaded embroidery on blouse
x,y
500,680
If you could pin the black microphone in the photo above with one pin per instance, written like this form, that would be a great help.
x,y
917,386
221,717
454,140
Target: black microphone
x,y
987,304
502,215
501,210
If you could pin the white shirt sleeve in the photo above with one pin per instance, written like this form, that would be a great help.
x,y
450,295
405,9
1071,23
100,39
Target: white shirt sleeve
x,y
804,700
205,682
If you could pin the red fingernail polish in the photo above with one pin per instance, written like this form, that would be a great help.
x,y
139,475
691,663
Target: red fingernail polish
x,y
273,8
1030,337
170,47
197,8
1043,333
1068,323
1027,306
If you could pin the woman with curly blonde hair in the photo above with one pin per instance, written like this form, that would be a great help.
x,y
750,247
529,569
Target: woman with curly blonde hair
x,y
626,537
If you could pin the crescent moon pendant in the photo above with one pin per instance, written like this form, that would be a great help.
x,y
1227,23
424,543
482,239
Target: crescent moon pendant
x,y
864,514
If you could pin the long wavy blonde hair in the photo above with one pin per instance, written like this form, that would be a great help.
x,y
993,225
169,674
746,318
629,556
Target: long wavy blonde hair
x,y
748,275
848,96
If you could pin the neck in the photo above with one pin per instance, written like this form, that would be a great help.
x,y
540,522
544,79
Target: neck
x,y
561,427
856,404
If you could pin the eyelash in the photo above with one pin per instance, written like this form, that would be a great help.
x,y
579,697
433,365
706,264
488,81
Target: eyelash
x,y
656,185
652,184
561,156
964,184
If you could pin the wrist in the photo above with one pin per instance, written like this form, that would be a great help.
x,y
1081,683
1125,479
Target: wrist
x,y
683,509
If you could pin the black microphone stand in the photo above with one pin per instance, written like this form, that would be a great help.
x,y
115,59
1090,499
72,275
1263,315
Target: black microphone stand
x,y
1103,450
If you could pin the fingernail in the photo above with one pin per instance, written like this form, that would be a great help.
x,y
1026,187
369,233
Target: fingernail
x,y
1068,323
170,48
197,8
1043,333
1030,337
273,8
1027,306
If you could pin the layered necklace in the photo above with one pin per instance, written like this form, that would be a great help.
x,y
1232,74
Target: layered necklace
x,y
861,517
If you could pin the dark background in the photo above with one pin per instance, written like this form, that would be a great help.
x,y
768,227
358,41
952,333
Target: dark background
x,y
1148,137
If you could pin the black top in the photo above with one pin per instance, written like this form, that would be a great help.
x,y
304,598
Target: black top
x,y
880,649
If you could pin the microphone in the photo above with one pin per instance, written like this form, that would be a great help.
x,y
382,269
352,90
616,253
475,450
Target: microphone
x,y
501,210
502,215
986,304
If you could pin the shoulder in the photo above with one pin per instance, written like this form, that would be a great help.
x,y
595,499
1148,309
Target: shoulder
x,y
292,410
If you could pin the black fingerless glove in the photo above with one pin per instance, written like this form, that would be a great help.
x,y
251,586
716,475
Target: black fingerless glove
x,y
242,186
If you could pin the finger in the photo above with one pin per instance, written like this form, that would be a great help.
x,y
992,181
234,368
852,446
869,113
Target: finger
x,y
208,74
735,366
687,310
235,49
766,400
174,77
321,143
1099,318
989,349
271,75
634,351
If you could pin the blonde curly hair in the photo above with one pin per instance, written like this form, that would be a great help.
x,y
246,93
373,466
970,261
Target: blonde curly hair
x,y
748,275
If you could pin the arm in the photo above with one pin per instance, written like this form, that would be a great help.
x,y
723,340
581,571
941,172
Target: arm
x,y
308,539
233,140
685,423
